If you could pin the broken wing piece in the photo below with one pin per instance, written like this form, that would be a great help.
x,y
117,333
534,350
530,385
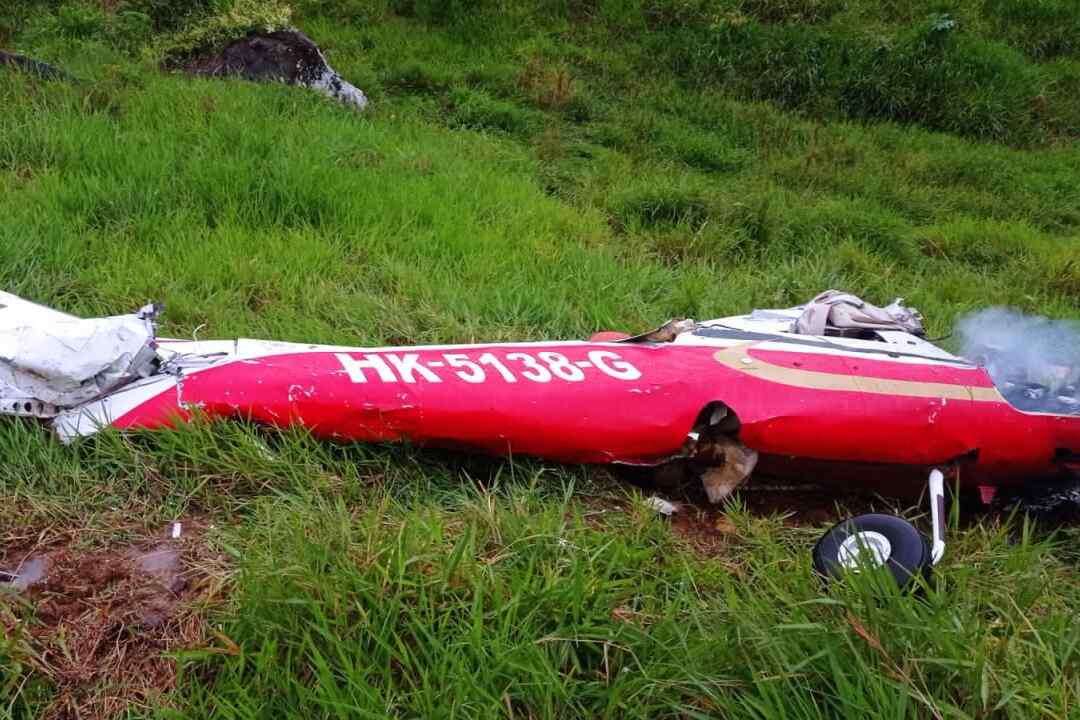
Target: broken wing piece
x,y
50,361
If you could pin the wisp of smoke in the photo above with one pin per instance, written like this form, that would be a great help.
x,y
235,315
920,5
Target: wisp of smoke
x,y
1033,360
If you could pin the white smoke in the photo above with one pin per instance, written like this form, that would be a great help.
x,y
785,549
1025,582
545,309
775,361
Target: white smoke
x,y
1033,360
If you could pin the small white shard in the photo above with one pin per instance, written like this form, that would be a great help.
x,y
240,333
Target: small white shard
x,y
661,505
176,529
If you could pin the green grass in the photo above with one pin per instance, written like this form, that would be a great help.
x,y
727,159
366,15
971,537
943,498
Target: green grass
x,y
544,173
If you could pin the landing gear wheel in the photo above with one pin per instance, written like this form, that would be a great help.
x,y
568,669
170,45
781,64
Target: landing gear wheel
x,y
874,541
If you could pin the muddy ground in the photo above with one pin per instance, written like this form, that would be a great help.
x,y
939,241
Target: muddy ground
x,y
103,621
100,622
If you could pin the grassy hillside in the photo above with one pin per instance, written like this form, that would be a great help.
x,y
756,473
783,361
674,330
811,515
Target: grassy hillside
x,y
526,171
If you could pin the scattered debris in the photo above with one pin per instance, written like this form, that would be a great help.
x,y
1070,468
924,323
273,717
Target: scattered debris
x,y
287,56
661,505
36,68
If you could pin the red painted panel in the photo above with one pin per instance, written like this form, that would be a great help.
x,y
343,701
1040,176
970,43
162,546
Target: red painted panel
x,y
601,402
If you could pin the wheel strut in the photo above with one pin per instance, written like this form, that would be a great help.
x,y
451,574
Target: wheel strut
x,y
937,513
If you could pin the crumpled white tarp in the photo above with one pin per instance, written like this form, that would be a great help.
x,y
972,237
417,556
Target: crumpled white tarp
x,y
51,358
834,309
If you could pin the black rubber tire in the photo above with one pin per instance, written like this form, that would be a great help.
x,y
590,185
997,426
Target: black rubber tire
x,y
910,556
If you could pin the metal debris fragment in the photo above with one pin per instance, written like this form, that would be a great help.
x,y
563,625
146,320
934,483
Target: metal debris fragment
x,y
660,505
729,464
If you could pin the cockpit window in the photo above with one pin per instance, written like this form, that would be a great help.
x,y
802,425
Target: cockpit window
x,y
1046,388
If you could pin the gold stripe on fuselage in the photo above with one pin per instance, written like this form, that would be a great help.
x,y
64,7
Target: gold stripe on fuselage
x,y
737,357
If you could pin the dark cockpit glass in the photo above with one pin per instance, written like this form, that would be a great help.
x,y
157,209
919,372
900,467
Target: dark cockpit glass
x,y
1052,386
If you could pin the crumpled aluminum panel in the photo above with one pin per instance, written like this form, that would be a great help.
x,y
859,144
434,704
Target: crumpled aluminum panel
x,y
50,360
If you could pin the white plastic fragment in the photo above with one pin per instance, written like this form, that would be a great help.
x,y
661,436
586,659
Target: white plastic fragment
x,y
661,505
176,529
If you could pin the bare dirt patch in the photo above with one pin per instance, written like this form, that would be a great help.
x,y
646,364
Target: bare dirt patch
x,y
101,623
707,530
810,506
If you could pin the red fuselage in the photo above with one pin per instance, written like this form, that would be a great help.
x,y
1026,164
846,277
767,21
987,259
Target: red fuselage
x,y
634,403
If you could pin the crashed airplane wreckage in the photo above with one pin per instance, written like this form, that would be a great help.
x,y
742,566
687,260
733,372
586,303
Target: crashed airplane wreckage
x,y
839,389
